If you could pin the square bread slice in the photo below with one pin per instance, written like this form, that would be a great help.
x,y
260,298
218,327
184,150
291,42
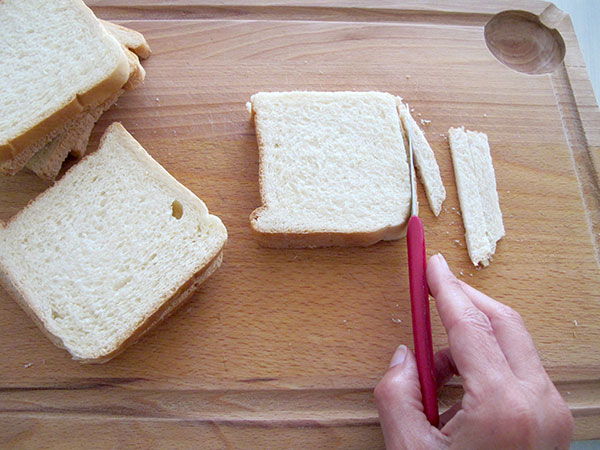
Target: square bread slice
x,y
477,194
425,162
56,60
333,169
108,251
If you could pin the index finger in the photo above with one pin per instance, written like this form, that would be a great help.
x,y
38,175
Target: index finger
x,y
474,348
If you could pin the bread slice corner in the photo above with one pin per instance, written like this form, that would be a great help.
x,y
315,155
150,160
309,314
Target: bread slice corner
x,y
138,241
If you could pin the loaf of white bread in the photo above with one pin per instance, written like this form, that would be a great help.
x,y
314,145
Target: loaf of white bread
x,y
334,170
109,250
477,194
61,69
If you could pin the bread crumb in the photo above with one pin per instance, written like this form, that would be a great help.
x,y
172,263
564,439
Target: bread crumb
x,y
157,99
576,324
484,115
470,274
462,274
396,320
345,321
412,109
28,365
425,122
408,77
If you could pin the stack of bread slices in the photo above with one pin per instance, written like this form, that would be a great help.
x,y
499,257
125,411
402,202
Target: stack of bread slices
x,y
61,69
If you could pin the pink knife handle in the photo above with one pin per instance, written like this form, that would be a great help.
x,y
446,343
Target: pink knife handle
x,y
419,300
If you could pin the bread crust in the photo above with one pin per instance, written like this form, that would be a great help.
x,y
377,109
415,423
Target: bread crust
x,y
312,239
15,154
162,310
131,39
323,238
47,162
166,309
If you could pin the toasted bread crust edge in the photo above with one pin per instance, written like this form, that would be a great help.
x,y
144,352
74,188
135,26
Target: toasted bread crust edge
x,y
11,158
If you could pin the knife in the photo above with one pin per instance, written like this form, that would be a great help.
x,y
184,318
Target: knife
x,y
419,301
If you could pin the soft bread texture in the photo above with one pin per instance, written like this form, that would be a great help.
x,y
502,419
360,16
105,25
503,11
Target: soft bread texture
x,y
424,159
109,250
333,169
476,184
47,162
66,48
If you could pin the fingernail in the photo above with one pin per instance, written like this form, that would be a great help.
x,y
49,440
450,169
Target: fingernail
x,y
399,356
443,261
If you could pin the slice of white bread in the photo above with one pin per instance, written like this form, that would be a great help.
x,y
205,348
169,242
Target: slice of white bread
x,y
47,162
476,184
109,250
58,57
333,169
425,162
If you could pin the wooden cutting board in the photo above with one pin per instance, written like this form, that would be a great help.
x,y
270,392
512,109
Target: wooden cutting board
x,y
284,347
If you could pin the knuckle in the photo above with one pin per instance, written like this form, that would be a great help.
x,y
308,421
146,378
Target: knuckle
x,y
473,318
511,315
453,282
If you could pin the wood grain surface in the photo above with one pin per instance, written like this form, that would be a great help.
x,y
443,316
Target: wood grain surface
x,y
282,348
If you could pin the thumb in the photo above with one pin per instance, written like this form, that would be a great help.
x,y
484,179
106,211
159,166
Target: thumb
x,y
398,399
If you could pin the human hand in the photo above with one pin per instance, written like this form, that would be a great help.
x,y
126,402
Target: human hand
x,y
509,400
